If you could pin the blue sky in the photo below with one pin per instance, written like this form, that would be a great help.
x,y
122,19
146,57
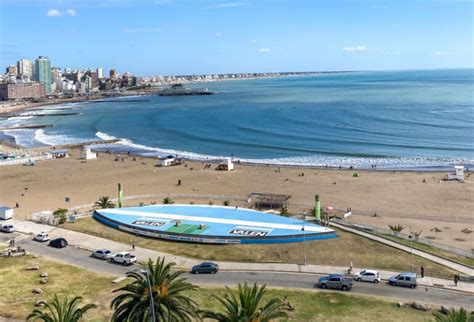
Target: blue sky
x,y
151,37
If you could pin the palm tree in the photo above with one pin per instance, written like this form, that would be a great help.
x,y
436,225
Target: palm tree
x,y
168,201
455,316
170,304
245,306
104,202
61,311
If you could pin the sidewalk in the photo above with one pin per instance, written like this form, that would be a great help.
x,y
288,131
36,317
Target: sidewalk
x,y
457,267
90,243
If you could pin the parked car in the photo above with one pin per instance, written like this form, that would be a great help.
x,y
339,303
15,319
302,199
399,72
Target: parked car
x,y
102,254
7,228
58,243
367,275
41,237
404,279
124,258
206,267
335,281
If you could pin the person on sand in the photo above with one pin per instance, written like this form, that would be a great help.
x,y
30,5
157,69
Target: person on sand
x,y
133,245
422,271
179,182
456,279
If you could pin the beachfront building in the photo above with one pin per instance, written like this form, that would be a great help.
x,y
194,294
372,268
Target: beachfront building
x,y
27,90
25,69
113,74
11,70
43,73
100,72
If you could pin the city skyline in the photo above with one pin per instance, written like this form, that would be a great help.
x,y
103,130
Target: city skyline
x,y
207,37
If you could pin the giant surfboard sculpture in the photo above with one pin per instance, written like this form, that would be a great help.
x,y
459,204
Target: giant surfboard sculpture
x,y
211,224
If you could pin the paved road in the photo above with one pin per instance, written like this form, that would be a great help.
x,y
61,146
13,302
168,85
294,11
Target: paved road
x,y
81,258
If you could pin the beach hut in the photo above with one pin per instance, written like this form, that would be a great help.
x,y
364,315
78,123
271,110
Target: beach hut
x,y
226,165
457,175
6,213
166,161
87,154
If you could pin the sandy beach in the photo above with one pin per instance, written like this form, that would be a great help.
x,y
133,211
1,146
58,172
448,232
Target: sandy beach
x,y
420,200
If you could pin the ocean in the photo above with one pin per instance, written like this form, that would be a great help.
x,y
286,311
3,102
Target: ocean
x,y
420,119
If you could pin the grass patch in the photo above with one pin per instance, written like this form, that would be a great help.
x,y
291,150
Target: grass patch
x,y
340,251
17,300
433,250
325,306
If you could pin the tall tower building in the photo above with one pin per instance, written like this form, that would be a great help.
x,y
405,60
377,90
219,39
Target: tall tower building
x,y
43,73
100,73
25,69
113,74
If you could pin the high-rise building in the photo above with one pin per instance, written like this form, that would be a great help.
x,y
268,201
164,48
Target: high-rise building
x,y
11,70
100,73
25,69
43,73
113,74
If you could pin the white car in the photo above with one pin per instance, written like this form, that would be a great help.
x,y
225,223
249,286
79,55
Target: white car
x,y
41,237
124,258
7,228
367,275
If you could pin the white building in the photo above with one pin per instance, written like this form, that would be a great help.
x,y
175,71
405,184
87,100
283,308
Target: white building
x,y
25,69
100,73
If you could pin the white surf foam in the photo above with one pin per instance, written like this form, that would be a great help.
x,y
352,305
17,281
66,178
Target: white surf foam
x,y
105,136
56,139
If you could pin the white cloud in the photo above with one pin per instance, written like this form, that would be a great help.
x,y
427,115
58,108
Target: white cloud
x,y
264,50
142,30
355,48
218,35
71,12
53,13
227,5
253,41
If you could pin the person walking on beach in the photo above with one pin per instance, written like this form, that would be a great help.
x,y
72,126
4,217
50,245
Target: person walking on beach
x,y
422,271
133,245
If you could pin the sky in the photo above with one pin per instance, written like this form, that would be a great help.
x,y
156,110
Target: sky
x,y
173,37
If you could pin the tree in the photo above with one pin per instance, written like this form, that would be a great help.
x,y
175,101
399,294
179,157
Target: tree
x,y
168,201
133,304
246,306
455,316
104,202
60,213
61,311
396,228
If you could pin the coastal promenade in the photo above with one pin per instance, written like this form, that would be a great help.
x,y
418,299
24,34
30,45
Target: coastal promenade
x,y
89,243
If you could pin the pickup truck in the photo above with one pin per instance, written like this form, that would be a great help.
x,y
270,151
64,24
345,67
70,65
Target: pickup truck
x,y
124,258
335,281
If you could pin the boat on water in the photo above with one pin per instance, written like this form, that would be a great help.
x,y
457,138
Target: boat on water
x,y
180,90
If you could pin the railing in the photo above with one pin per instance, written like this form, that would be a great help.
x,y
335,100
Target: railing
x,y
24,160
383,231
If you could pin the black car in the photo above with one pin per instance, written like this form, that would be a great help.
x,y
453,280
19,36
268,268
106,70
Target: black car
x,y
206,267
58,243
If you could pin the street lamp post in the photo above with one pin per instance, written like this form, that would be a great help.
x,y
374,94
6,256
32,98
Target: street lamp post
x,y
304,238
152,304
26,202
411,251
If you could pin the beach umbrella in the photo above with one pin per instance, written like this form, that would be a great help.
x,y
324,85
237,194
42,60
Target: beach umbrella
x,y
436,230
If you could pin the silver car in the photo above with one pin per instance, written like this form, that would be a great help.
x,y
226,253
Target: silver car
x,y
403,279
7,228
104,254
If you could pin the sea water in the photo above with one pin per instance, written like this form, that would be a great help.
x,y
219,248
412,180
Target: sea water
x,y
394,119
